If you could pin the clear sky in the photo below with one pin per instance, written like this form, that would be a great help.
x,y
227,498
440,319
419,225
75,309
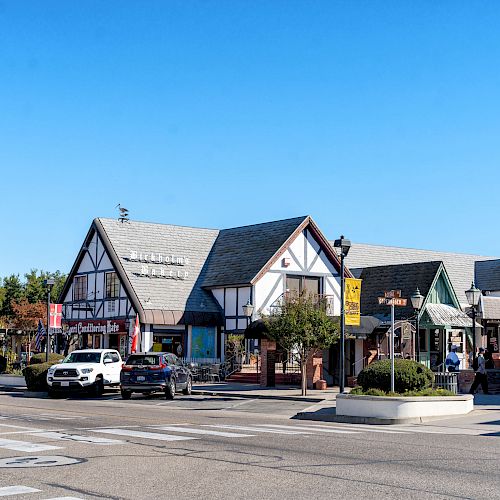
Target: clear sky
x,y
380,119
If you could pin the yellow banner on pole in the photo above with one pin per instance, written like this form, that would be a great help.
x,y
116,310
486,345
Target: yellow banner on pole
x,y
352,301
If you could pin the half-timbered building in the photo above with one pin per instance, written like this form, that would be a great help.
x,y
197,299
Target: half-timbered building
x,y
189,285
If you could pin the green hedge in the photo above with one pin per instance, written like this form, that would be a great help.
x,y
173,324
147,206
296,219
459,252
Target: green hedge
x,y
408,376
54,358
36,376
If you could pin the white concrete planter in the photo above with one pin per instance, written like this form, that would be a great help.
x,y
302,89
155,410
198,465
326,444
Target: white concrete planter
x,y
12,380
414,408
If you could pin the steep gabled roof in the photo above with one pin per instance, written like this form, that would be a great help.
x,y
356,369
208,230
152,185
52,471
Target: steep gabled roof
x,y
164,301
488,275
404,277
459,266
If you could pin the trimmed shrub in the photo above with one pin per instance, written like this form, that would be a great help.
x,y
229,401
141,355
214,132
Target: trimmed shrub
x,y
54,358
408,376
36,376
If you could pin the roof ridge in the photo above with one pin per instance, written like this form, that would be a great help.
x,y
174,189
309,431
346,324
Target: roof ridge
x,y
301,218
491,257
158,224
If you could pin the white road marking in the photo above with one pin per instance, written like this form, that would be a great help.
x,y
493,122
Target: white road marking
x,y
189,430
255,429
82,439
359,427
11,444
65,498
144,435
18,427
16,490
313,429
439,430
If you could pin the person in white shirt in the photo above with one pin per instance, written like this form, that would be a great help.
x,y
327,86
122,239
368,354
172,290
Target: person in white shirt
x,y
452,361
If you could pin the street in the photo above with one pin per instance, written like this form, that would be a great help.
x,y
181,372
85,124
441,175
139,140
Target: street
x,y
216,447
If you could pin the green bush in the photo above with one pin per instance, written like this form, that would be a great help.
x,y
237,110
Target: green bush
x,y
408,376
54,358
358,391
36,376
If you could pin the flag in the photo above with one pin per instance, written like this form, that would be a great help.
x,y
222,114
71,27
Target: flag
x,y
135,335
352,301
40,335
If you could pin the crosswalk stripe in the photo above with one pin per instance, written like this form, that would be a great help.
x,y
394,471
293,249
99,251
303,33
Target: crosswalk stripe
x,y
256,429
65,498
144,435
306,428
189,430
439,430
11,444
76,437
359,428
16,490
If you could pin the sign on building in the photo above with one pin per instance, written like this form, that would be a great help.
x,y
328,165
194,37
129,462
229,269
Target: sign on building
x,y
55,316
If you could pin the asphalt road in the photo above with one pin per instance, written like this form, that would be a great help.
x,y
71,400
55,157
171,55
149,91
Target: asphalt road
x,y
210,447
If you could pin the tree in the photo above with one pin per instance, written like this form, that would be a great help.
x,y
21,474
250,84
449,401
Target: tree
x,y
26,316
13,290
36,291
301,326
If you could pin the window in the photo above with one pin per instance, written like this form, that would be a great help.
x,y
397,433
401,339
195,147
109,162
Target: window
x,y
295,285
112,285
80,288
111,306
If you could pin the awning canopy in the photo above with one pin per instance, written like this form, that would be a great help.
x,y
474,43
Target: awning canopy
x,y
448,316
366,326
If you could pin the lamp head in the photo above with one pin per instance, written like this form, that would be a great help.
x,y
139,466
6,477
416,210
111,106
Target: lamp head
x,y
344,244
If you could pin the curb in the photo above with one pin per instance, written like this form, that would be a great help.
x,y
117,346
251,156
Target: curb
x,y
305,399
345,419
12,388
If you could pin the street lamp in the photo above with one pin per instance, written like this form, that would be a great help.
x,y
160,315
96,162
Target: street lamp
x,y
49,283
417,299
344,245
473,295
248,311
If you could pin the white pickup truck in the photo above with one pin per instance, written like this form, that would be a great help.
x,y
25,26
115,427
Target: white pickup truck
x,y
88,369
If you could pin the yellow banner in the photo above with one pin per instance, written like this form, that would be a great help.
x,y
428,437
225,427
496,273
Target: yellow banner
x,y
352,301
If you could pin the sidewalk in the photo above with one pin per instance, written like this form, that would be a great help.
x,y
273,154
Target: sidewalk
x,y
226,389
239,390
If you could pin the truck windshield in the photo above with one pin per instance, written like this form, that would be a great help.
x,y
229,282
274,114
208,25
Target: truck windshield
x,y
143,360
83,357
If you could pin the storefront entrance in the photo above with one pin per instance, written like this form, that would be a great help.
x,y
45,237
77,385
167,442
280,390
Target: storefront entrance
x,y
118,341
169,342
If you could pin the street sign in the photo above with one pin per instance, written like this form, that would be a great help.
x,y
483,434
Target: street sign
x,y
397,301
391,294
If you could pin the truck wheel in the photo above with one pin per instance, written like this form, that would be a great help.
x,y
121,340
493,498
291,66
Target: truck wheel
x,y
126,394
189,387
98,388
170,390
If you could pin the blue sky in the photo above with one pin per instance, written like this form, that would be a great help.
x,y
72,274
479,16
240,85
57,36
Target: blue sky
x,y
378,118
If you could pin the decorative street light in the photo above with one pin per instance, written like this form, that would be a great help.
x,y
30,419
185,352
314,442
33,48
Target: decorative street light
x,y
49,283
473,295
344,245
248,310
417,299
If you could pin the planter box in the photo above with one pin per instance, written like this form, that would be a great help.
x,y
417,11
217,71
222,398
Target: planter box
x,y
12,380
398,409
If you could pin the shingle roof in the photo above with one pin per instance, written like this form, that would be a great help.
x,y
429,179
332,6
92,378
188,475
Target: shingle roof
x,y
488,275
445,315
404,277
490,307
158,294
240,253
459,266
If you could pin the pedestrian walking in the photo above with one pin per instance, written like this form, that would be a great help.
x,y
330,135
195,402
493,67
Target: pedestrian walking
x,y
481,377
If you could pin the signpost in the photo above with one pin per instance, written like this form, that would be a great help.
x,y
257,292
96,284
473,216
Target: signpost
x,y
392,298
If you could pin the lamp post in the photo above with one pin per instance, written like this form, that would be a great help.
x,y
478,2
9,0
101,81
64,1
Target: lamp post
x,y
248,312
49,283
417,299
473,295
344,245
127,338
